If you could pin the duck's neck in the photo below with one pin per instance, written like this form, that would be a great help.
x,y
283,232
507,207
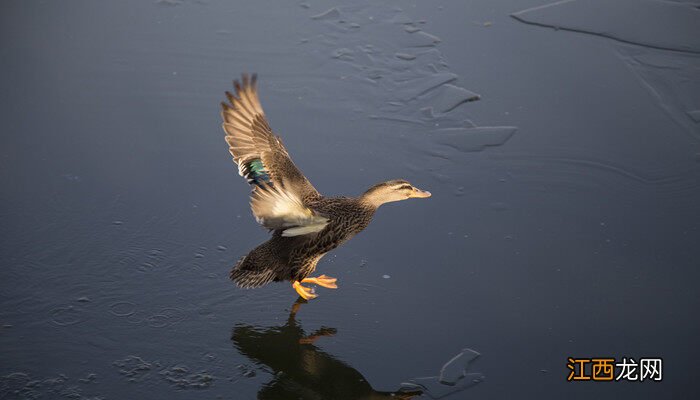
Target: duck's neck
x,y
368,201
375,198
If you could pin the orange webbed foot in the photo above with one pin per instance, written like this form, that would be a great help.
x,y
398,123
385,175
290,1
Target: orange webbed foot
x,y
304,292
323,280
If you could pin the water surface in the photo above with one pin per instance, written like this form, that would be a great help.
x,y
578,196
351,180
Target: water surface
x,y
564,166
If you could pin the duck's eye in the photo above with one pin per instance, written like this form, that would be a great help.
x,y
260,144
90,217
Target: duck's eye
x,y
405,187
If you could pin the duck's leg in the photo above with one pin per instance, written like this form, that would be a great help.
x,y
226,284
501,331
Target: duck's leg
x,y
323,280
304,292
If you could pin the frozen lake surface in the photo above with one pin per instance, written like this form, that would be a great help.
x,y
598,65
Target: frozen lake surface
x,y
560,141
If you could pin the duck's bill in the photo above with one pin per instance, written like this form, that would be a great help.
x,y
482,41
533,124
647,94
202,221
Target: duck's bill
x,y
417,193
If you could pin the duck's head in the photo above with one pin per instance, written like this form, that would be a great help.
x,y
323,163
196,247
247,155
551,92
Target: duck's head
x,y
389,191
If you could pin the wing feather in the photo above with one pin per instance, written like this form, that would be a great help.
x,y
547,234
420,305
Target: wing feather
x,y
280,189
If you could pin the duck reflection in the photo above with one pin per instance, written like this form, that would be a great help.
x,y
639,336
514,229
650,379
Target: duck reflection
x,y
302,370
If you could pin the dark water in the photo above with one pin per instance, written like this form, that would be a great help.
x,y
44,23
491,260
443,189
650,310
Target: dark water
x,y
564,165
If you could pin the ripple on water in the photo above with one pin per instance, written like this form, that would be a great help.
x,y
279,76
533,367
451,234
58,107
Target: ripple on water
x,y
122,308
161,319
135,368
20,385
137,317
181,376
158,321
67,315
166,317
173,314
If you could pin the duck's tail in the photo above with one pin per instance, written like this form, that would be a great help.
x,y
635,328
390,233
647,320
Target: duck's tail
x,y
251,274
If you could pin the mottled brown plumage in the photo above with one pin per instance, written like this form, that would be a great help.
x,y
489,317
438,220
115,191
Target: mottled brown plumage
x,y
294,258
305,225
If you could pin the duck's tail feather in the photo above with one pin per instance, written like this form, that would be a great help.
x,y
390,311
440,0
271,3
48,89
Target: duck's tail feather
x,y
248,274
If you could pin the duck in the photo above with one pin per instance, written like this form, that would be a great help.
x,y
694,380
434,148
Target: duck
x,y
304,224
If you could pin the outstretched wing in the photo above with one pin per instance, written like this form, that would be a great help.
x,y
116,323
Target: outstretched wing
x,y
280,190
